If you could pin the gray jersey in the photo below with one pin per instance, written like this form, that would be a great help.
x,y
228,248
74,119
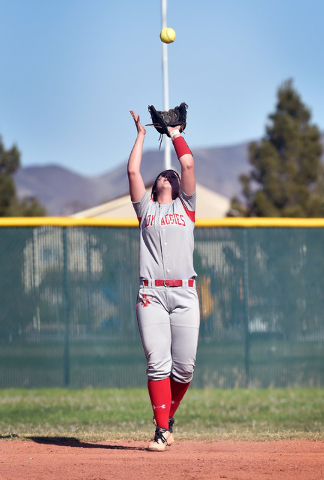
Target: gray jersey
x,y
166,237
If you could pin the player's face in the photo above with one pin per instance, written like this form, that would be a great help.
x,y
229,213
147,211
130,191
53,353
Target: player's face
x,y
166,178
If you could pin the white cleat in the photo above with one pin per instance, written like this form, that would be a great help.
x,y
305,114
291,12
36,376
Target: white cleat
x,y
162,438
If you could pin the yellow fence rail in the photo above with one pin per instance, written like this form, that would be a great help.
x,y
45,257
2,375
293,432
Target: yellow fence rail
x,y
132,222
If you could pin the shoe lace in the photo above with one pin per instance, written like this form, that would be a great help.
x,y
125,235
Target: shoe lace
x,y
159,435
171,423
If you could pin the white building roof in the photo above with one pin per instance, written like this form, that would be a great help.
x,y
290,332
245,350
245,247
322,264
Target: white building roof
x,y
209,205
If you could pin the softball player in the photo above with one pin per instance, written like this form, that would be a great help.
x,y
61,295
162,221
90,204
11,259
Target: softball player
x,y
167,304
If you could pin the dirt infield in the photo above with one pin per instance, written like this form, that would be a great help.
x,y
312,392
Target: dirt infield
x,y
69,459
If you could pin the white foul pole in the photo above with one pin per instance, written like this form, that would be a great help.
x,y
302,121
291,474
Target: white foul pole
x,y
167,147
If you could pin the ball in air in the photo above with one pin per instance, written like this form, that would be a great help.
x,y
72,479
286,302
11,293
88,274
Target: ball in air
x,y
168,35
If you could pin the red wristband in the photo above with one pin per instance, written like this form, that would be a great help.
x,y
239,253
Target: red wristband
x,y
180,146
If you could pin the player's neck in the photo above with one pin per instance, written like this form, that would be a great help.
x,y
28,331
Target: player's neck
x,y
164,197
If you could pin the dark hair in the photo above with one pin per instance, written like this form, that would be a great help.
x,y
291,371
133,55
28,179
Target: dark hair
x,y
153,192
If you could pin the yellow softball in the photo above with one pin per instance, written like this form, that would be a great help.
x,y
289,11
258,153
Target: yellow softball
x,y
168,35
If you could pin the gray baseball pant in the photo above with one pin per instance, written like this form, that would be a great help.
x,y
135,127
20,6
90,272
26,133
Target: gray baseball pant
x,y
168,320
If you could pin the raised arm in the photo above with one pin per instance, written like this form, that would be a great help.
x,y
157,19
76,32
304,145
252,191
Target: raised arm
x,y
136,184
188,179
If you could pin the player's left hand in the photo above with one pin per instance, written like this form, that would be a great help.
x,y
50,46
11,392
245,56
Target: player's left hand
x,y
171,129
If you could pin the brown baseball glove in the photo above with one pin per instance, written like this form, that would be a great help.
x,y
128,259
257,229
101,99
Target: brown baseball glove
x,y
175,117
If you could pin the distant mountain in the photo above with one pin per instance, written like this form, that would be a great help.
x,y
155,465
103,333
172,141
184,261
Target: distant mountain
x,y
64,192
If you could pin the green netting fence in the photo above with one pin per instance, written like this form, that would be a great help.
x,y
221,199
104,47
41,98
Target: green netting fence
x,y
67,304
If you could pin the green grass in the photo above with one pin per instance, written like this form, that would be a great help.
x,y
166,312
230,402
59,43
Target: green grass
x,y
101,414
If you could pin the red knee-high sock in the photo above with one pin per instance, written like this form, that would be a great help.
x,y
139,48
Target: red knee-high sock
x,y
160,395
177,393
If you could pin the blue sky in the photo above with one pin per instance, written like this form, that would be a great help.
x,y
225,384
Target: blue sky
x,y
72,69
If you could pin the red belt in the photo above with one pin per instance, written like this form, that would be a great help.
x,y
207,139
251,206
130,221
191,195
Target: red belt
x,y
168,283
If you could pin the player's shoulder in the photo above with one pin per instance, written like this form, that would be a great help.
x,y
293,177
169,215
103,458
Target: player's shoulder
x,y
142,205
188,204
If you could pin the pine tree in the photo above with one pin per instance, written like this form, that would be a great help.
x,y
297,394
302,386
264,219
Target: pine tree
x,y
287,174
10,205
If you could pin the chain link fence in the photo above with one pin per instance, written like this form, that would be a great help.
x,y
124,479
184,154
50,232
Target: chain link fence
x,y
67,306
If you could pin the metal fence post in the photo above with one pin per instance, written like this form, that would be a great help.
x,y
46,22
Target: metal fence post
x,y
67,310
246,306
